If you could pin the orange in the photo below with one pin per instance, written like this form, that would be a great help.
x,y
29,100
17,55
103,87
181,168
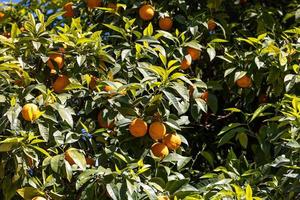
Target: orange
x,y
173,141
58,59
60,83
243,2
30,161
19,82
192,89
157,130
244,82
68,7
211,25
138,127
146,12
93,3
108,88
90,161
165,23
69,158
159,150
93,83
30,112
185,64
2,15
262,98
112,6
163,198
103,123
38,198
22,29
194,53
6,34
204,96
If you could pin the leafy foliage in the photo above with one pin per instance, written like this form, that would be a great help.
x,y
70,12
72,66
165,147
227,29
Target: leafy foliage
x,y
236,142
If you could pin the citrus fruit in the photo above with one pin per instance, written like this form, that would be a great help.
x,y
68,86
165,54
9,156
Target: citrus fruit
x,y
30,112
138,127
93,3
68,7
165,23
55,58
194,53
112,6
60,83
159,150
173,141
262,98
211,25
2,15
93,83
163,198
69,158
185,63
103,123
157,130
146,12
38,198
204,96
90,161
244,82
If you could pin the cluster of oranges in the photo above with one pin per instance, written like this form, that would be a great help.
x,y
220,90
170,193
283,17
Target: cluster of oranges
x,y
157,130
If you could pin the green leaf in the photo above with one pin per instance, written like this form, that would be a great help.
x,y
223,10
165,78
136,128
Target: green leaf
x,y
243,139
259,111
66,115
44,131
175,185
249,193
211,52
29,192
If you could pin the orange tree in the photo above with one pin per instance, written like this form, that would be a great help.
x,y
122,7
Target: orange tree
x,y
149,99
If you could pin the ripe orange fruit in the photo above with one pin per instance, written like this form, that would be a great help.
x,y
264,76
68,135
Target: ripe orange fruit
x,y
58,59
19,82
159,150
244,82
60,83
103,123
192,89
243,2
30,161
69,158
173,141
163,198
165,23
90,161
108,88
204,96
157,130
68,7
112,6
38,198
211,25
194,53
2,15
30,112
6,34
262,98
93,3
138,127
22,29
185,64
146,12
93,83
